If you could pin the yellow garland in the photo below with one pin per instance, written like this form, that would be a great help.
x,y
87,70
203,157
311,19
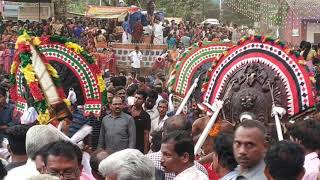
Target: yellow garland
x,y
14,67
76,47
24,38
53,72
44,118
67,102
302,62
36,41
101,83
29,74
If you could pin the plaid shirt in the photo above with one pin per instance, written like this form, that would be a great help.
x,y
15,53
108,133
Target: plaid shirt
x,y
156,157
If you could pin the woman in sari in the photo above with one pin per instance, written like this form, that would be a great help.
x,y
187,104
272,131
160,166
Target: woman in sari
x,y
111,60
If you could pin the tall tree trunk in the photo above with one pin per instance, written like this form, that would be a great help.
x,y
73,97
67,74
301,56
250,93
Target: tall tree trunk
x,y
60,8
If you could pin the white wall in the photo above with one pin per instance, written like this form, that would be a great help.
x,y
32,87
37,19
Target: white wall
x,y
311,29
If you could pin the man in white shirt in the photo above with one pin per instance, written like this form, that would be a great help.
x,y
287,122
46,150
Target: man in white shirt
x,y
157,124
178,156
158,32
136,58
150,105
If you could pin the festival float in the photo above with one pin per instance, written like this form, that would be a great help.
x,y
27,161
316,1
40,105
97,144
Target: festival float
x,y
259,79
191,70
46,68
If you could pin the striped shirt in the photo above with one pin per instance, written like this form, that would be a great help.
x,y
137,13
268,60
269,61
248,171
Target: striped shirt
x,y
156,157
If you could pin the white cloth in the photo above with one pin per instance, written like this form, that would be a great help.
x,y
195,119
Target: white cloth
x,y
23,172
86,163
158,100
130,100
170,105
136,58
126,38
153,113
191,173
4,153
158,34
29,115
311,165
156,125
72,96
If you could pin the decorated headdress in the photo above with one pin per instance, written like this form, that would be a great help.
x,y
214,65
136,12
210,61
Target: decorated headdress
x,y
49,67
194,63
256,75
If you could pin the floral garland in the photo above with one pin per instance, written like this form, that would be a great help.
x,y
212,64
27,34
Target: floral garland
x,y
23,57
92,63
216,128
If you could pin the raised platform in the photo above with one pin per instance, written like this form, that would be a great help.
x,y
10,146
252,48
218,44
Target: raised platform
x,y
149,52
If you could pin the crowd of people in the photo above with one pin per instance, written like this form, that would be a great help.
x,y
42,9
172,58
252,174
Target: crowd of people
x,y
138,135
97,35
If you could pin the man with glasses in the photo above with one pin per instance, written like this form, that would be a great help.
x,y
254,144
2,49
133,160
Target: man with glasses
x,y
63,159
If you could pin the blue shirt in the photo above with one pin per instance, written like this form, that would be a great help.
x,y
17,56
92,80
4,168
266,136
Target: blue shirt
x,y
77,31
171,43
6,115
126,27
230,176
78,120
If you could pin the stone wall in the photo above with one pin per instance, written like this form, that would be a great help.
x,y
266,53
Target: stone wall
x,y
149,54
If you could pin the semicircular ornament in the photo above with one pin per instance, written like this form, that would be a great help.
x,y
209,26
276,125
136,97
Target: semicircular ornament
x,y
194,63
256,74
68,59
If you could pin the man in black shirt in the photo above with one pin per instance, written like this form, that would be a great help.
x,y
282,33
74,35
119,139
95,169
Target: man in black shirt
x,y
142,121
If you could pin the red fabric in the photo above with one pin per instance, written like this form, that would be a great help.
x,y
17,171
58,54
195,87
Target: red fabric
x,y
159,64
6,60
137,31
111,62
212,174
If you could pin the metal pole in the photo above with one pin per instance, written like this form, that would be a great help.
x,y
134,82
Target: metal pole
x,y
205,132
186,98
100,3
221,10
39,11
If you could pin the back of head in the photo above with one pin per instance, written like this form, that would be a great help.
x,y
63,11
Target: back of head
x,y
132,89
141,79
284,161
176,122
223,148
40,135
128,164
308,133
96,157
142,93
152,94
17,139
183,143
